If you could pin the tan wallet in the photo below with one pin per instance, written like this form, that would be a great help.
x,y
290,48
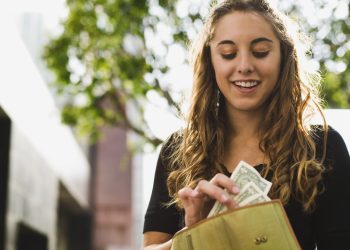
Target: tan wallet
x,y
263,226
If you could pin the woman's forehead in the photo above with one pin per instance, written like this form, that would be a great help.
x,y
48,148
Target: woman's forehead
x,y
242,25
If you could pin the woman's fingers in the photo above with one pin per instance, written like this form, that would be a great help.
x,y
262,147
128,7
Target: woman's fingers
x,y
225,182
219,188
185,193
195,201
190,197
193,205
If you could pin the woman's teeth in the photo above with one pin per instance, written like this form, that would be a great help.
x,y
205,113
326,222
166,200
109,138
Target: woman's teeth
x,y
246,84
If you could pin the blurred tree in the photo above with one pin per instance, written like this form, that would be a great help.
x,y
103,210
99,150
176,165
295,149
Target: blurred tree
x,y
111,57
328,24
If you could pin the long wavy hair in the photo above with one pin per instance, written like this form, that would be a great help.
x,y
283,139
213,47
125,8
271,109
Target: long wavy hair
x,y
287,139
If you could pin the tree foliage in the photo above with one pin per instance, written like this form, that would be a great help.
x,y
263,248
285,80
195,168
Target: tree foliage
x,y
106,68
328,24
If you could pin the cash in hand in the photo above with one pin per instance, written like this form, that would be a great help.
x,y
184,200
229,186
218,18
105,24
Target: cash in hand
x,y
253,188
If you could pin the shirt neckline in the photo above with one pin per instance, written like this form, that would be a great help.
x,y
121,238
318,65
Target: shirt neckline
x,y
258,167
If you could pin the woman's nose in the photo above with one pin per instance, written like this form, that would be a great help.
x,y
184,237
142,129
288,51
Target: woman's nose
x,y
245,64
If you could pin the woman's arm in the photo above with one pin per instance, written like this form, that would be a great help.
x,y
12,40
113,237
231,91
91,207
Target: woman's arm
x,y
156,241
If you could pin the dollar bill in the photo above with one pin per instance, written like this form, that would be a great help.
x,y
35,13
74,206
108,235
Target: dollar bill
x,y
254,188
218,208
249,190
244,174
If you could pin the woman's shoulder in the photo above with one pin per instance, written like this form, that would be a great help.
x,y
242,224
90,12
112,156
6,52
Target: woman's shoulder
x,y
333,137
173,139
336,149
171,143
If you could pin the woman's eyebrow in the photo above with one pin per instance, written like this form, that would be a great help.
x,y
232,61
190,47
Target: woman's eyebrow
x,y
256,40
261,39
225,42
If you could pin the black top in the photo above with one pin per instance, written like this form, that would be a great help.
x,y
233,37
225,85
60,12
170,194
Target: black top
x,y
328,226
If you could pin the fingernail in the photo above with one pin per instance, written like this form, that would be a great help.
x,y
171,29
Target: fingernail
x,y
235,190
195,193
224,198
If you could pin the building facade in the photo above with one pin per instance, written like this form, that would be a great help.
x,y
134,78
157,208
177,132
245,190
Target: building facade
x,y
45,174
56,193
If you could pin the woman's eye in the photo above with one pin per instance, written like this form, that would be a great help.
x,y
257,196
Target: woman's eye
x,y
261,54
228,56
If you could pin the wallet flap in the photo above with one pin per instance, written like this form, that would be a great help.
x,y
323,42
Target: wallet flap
x,y
259,226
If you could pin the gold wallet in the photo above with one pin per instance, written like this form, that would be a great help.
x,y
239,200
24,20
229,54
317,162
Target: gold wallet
x,y
262,226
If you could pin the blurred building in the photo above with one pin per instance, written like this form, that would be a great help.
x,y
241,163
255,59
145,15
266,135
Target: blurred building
x,y
116,221
45,174
56,193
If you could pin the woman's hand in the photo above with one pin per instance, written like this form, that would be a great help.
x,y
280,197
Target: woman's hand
x,y
196,202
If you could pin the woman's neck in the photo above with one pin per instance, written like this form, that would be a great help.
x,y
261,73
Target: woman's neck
x,y
243,140
245,124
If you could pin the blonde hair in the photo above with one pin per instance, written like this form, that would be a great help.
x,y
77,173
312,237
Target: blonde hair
x,y
287,138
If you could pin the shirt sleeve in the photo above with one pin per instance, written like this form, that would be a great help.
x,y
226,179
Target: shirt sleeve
x,y
331,219
159,216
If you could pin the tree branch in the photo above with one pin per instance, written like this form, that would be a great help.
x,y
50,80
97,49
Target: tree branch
x,y
119,102
168,97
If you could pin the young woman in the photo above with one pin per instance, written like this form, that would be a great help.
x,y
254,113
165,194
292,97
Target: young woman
x,y
251,101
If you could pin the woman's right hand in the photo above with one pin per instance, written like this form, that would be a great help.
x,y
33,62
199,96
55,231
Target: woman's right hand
x,y
197,201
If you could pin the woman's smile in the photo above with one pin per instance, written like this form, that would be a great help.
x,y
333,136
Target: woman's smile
x,y
246,86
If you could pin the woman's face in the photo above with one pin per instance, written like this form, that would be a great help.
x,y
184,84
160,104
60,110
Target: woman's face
x,y
246,57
